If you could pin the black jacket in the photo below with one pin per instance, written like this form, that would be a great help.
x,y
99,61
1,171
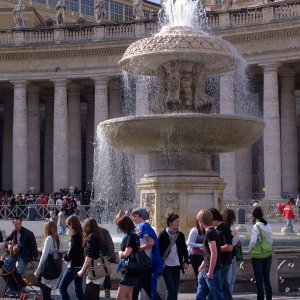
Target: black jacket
x,y
75,254
28,250
164,242
109,245
93,247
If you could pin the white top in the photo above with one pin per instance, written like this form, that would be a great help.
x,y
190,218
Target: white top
x,y
47,248
172,259
266,231
192,239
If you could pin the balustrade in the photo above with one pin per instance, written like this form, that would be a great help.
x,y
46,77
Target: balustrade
x,y
233,18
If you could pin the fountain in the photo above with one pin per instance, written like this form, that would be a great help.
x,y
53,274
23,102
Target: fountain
x,y
180,134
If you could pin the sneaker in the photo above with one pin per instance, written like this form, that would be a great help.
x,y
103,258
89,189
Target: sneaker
x,y
107,294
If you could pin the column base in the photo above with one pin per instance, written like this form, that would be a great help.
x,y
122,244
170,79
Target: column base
x,y
184,195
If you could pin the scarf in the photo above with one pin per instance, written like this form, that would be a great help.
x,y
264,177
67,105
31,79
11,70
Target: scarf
x,y
121,263
172,234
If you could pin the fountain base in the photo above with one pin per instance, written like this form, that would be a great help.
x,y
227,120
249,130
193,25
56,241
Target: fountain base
x,y
163,193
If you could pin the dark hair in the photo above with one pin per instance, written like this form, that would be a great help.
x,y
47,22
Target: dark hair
x,y
171,218
216,214
125,224
91,226
16,218
201,230
258,214
75,223
228,216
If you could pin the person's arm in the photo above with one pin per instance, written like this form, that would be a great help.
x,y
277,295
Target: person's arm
x,y
149,243
213,259
253,239
185,254
126,253
228,240
192,238
33,245
46,250
86,263
109,245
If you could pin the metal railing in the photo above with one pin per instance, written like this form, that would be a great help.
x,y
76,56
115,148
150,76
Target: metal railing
x,y
41,212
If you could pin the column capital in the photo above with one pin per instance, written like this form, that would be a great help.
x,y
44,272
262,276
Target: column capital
x,y
101,80
272,67
74,88
287,72
33,89
60,82
19,83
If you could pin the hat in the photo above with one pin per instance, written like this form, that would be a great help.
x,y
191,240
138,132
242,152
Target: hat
x,y
142,212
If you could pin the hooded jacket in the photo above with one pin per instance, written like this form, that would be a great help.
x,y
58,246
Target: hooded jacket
x,y
266,231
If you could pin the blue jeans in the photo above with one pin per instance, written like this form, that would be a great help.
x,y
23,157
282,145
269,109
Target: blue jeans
x,y
212,286
261,268
171,277
232,275
69,276
10,264
289,223
63,230
224,283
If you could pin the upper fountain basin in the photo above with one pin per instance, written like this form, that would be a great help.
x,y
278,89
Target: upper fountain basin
x,y
180,43
182,132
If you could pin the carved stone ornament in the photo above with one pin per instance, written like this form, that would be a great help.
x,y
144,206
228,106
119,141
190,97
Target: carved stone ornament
x,y
148,202
169,203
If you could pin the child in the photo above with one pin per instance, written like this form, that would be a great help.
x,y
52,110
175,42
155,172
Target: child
x,y
210,270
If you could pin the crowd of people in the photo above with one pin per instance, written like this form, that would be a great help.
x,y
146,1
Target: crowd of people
x,y
212,248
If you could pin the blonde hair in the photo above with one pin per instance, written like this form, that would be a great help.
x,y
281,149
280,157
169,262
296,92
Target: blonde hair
x,y
51,229
205,216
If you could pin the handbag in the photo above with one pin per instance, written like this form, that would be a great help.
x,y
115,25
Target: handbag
x,y
99,267
138,262
52,266
262,248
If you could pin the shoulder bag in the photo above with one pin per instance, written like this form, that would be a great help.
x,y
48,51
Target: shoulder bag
x,y
138,261
262,248
52,266
98,268
167,252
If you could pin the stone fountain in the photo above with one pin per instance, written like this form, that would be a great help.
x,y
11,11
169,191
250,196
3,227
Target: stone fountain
x,y
180,134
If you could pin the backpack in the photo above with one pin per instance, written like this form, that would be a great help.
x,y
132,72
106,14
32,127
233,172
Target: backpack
x,y
52,266
262,248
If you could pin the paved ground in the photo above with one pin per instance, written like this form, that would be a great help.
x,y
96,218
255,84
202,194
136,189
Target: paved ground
x,y
37,228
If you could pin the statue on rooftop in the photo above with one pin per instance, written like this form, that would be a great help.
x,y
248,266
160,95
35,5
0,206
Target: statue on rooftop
x,y
60,12
137,10
18,14
100,11
226,4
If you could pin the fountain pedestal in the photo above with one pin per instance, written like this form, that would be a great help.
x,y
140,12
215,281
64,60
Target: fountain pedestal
x,y
180,193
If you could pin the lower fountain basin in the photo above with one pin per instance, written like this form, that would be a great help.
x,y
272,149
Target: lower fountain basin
x,y
212,133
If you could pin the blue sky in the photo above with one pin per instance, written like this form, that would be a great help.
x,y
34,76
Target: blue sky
x,y
155,1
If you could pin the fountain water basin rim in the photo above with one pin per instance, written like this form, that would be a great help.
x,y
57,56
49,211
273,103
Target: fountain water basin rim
x,y
210,133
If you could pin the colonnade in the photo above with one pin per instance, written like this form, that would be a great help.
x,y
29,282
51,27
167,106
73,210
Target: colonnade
x,y
62,150
280,147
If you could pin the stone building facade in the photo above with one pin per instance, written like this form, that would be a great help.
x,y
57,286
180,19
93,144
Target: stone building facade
x,y
57,84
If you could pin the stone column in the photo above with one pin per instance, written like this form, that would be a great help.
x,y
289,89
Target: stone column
x,y
74,119
289,146
142,163
60,136
101,101
90,140
48,152
272,152
20,142
33,115
7,148
101,114
228,160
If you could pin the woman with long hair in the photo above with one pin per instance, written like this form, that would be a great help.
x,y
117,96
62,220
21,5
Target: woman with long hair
x,y
195,247
229,219
261,266
74,258
130,244
51,242
95,246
